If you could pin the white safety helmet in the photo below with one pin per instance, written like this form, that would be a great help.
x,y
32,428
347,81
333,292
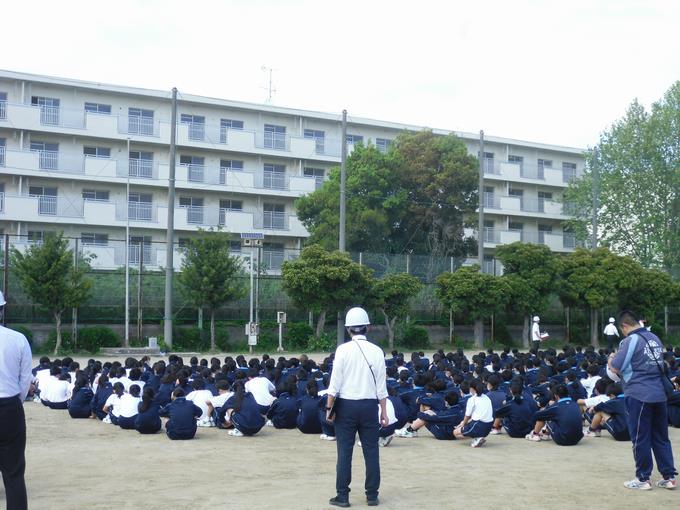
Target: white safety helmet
x,y
2,299
537,318
356,317
612,320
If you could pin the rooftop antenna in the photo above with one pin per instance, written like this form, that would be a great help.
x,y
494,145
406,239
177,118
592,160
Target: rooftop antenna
x,y
270,90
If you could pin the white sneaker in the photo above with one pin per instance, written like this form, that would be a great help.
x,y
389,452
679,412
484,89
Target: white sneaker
x,y
406,433
107,419
591,433
235,433
36,399
359,443
385,441
495,432
670,483
269,423
637,485
328,438
323,436
532,436
477,442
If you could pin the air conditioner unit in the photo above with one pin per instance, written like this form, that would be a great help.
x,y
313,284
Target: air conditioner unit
x,y
248,242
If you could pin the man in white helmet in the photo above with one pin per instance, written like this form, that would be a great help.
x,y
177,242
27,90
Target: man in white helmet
x,y
536,333
15,380
611,334
357,384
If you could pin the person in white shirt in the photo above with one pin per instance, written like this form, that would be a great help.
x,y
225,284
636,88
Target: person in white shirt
x,y
128,407
611,333
358,382
200,397
57,390
536,333
261,388
112,404
15,380
215,403
478,419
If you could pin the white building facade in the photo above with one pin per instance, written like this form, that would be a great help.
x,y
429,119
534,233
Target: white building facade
x,y
69,148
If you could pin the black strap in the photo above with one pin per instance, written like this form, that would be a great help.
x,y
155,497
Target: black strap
x,y
375,382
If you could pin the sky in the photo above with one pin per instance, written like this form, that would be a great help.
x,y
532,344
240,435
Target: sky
x,y
558,72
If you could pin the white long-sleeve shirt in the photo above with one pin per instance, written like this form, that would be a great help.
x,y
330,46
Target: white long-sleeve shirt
x,y
351,377
535,332
15,364
610,329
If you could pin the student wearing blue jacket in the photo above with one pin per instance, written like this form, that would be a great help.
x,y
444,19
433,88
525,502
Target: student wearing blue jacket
x,y
327,428
182,414
243,412
410,398
164,394
674,404
308,418
284,410
440,422
104,390
560,421
610,415
148,421
517,415
496,395
81,400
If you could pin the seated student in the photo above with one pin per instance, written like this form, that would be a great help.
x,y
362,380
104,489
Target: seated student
x,y
589,382
104,391
135,377
674,404
81,400
243,412
496,395
261,388
112,404
200,397
57,392
182,414
441,424
478,419
129,408
574,387
610,415
327,428
400,414
404,382
410,398
164,394
560,421
308,417
283,412
517,415
216,403
599,395
148,420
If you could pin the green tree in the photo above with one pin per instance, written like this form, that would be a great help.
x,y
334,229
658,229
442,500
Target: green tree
x,y
324,281
653,289
48,275
534,265
472,293
391,295
416,197
210,275
638,163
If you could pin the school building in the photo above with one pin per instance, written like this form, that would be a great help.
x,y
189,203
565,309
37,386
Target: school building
x,y
69,149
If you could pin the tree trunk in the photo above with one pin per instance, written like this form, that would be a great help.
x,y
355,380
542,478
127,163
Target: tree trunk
x,y
525,332
594,336
320,323
479,333
390,330
567,333
200,317
212,330
451,326
57,319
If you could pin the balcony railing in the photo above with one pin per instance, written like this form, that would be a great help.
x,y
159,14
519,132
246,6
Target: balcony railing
x,y
141,126
141,168
48,160
3,110
195,214
569,240
196,131
2,201
274,180
492,235
140,211
274,220
49,115
272,259
490,167
195,173
136,251
491,201
47,205
2,156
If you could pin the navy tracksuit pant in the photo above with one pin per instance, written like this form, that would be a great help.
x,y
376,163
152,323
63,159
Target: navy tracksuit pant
x,y
354,416
648,426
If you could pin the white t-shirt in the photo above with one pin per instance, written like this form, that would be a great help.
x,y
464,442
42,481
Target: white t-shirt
x,y
261,387
200,398
479,408
610,329
128,382
593,401
113,403
43,377
589,384
220,399
128,406
535,332
56,390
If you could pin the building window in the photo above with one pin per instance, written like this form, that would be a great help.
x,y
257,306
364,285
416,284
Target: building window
x,y
2,151
489,166
229,165
543,197
542,165
319,138
102,109
48,154
93,239
490,198
542,231
318,173
47,199
140,121
97,152
35,236
226,125
195,167
274,176
3,105
141,164
49,109
140,206
196,125
272,255
274,216
354,139
98,195
274,137
517,160
194,207
235,247
140,246
227,206
383,144
568,172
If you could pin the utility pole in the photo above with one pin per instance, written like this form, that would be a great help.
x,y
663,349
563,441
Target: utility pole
x,y
127,251
170,238
596,199
74,310
480,227
341,240
139,293
5,276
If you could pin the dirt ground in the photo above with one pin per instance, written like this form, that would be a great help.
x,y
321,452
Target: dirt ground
x,y
75,464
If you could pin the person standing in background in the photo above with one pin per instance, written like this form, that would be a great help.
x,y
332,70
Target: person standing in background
x,y
536,333
611,334
357,385
15,380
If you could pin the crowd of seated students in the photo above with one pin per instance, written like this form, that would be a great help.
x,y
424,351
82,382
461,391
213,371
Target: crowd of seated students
x,y
545,395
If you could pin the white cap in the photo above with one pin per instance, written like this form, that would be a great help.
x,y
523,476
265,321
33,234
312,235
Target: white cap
x,y
2,299
612,320
357,317
537,318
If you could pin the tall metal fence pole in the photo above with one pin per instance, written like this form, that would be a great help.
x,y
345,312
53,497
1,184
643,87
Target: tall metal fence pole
x,y
139,295
170,237
340,336
74,311
5,276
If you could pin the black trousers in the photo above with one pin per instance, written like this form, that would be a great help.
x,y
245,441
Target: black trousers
x,y
12,451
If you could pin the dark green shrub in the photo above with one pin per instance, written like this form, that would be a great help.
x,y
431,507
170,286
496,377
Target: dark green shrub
x,y
324,343
267,341
415,337
296,335
66,342
221,339
190,339
94,338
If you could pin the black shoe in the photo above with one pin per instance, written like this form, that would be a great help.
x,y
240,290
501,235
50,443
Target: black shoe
x,y
372,501
338,502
